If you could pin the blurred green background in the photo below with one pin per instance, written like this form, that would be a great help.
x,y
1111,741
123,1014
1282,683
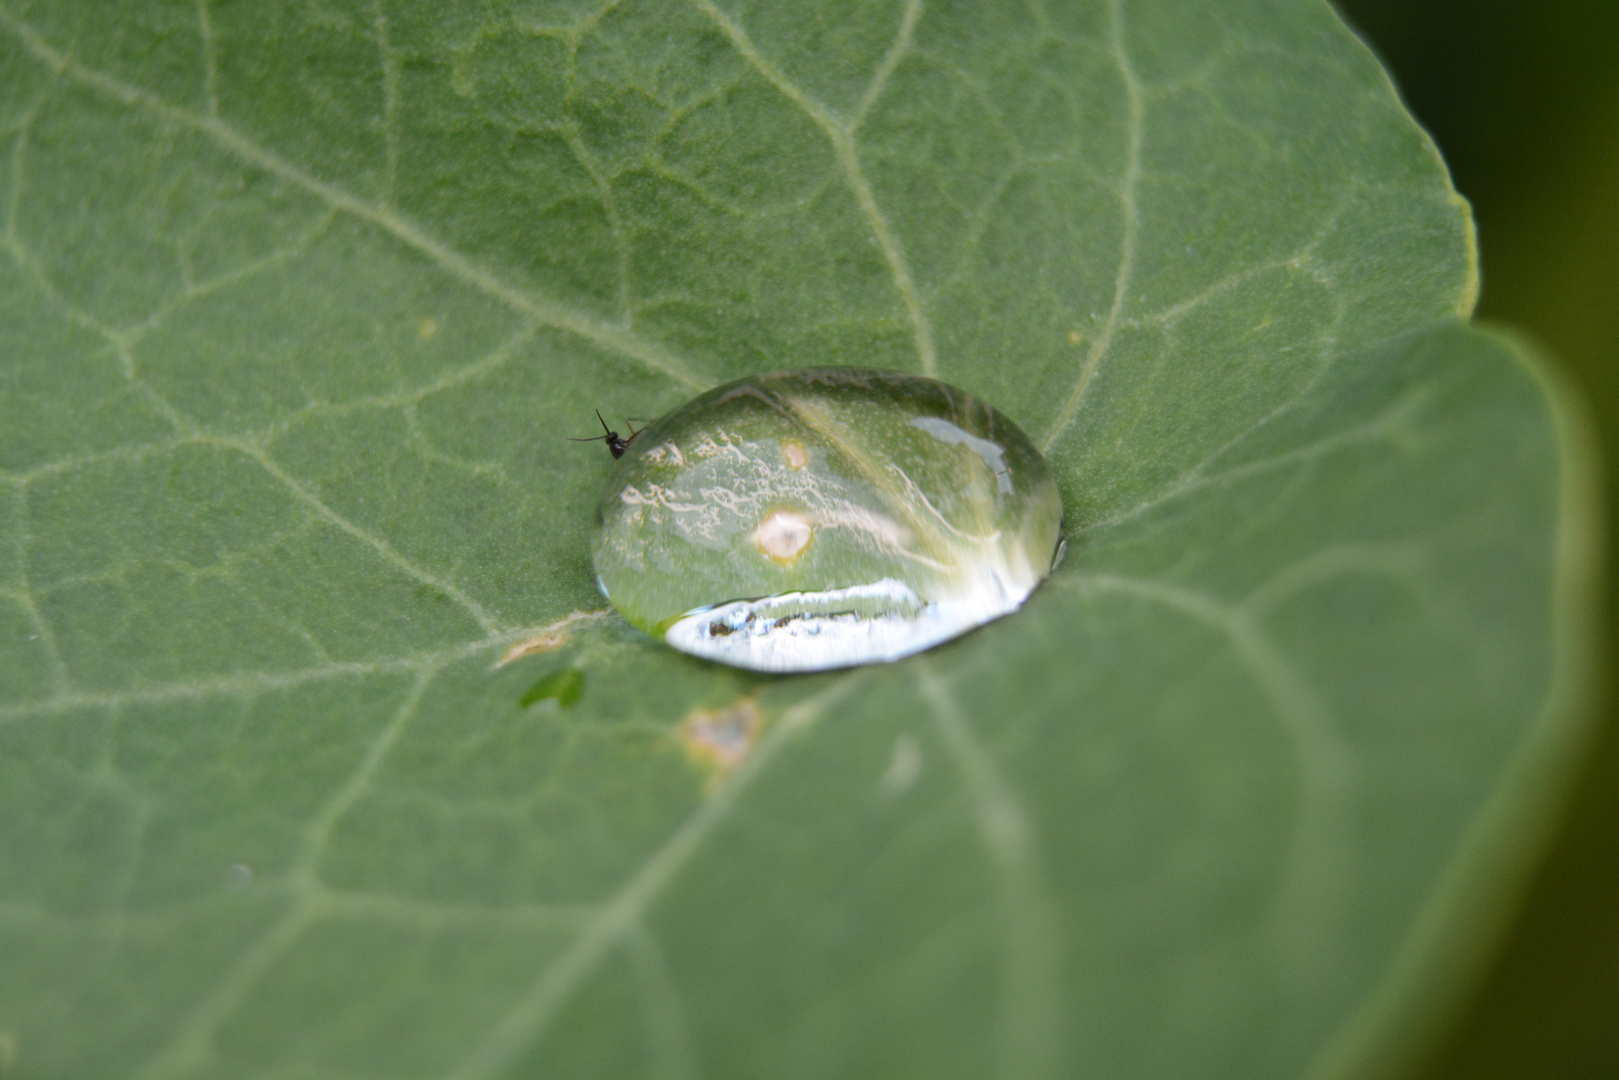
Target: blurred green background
x,y
1523,98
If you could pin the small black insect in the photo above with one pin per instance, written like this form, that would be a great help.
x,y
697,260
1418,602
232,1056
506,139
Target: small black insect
x,y
615,445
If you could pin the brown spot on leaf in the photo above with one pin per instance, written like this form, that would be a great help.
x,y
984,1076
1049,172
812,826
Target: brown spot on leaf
x,y
721,738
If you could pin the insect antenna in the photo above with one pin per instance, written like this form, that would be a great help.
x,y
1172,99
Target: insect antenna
x,y
609,437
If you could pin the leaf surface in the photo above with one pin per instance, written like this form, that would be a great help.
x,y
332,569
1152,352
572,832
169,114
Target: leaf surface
x,y
297,304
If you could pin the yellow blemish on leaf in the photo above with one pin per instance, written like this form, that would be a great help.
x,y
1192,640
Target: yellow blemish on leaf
x,y
1075,337
794,454
539,643
720,738
428,328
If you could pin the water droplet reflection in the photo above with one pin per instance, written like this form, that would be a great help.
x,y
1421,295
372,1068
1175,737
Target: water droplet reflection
x,y
824,518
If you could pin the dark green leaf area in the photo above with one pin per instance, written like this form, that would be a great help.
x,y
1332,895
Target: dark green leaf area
x,y
321,757
563,687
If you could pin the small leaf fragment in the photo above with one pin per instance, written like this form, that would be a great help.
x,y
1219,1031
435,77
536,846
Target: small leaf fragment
x,y
563,687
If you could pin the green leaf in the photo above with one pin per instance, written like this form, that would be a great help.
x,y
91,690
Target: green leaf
x,y
297,304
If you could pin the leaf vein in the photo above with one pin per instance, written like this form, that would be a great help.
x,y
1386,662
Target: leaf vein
x,y
210,58
1135,101
1029,1022
26,600
389,553
897,51
390,103
431,915
251,684
668,1035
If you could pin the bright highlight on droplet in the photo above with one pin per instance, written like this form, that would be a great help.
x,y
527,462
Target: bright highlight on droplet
x,y
825,518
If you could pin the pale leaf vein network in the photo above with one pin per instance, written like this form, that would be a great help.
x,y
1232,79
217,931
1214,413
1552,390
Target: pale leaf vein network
x,y
1393,426
551,313
529,1017
1309,899
191,1045
408,399
387,551
841,134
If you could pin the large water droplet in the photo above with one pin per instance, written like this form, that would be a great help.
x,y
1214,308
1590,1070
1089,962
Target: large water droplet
x,y
823,518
